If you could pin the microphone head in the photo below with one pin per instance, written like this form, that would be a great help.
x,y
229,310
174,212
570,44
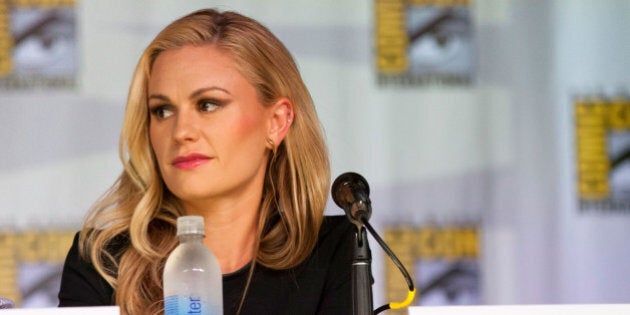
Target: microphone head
x,y
351,192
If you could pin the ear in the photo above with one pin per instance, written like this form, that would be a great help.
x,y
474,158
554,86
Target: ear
x,y
280,120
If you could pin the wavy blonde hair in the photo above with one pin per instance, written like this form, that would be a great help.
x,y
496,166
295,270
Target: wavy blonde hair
x,y
138,209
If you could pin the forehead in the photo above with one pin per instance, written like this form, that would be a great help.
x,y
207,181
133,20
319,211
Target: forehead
x,y
196,51
205,64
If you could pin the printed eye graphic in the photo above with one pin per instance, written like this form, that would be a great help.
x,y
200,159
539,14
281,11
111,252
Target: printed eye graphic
x,y
619,145
449,283
44,41
439,40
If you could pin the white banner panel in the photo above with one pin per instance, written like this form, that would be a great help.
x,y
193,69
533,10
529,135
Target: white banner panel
x,y
565,309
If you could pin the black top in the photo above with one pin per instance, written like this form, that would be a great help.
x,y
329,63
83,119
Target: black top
x,y
320,285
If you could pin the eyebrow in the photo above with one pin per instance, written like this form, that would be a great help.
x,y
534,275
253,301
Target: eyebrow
x,y
200,91
193,95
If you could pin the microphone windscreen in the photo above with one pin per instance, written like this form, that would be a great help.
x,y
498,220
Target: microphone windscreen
x,y
346,187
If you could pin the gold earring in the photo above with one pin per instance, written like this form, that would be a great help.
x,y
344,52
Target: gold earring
x,y
273,145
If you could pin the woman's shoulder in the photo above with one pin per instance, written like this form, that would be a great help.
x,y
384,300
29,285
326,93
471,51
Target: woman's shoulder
x,y
336,234
335,225
81,284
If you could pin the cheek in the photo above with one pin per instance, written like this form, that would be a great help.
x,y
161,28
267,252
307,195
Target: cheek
x,y
155,142
242,140
248,125
250,128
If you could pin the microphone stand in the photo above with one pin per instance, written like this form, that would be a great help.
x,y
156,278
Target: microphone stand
x,y
362,274
350,191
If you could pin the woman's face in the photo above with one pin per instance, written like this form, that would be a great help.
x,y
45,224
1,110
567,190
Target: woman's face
x,y
208,129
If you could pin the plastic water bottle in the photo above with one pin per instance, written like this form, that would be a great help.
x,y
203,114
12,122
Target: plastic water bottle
x,y
193,283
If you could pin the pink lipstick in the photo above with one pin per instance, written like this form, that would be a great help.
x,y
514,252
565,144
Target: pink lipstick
x,y
190,161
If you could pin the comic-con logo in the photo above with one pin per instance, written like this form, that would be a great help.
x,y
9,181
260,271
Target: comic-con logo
x,y
423,41
443,260
602,130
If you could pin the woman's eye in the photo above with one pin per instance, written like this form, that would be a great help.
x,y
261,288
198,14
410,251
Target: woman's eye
x,y
161,112
208,105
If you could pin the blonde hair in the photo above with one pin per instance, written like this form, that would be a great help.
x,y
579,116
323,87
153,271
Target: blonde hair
x,y
138,210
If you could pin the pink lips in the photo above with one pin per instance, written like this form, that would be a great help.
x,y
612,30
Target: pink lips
x,y
190,161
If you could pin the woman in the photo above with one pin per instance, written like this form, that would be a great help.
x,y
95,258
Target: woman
x,y
220,124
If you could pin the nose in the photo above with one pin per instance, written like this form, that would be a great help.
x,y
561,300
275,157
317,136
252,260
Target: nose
x,y
186,128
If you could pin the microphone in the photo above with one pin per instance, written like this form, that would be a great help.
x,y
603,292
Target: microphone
x,y
351,192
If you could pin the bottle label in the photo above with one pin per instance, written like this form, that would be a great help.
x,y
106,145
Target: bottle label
x,y
180,305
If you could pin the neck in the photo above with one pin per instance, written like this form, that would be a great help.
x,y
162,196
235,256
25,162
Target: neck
x,y
231,230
